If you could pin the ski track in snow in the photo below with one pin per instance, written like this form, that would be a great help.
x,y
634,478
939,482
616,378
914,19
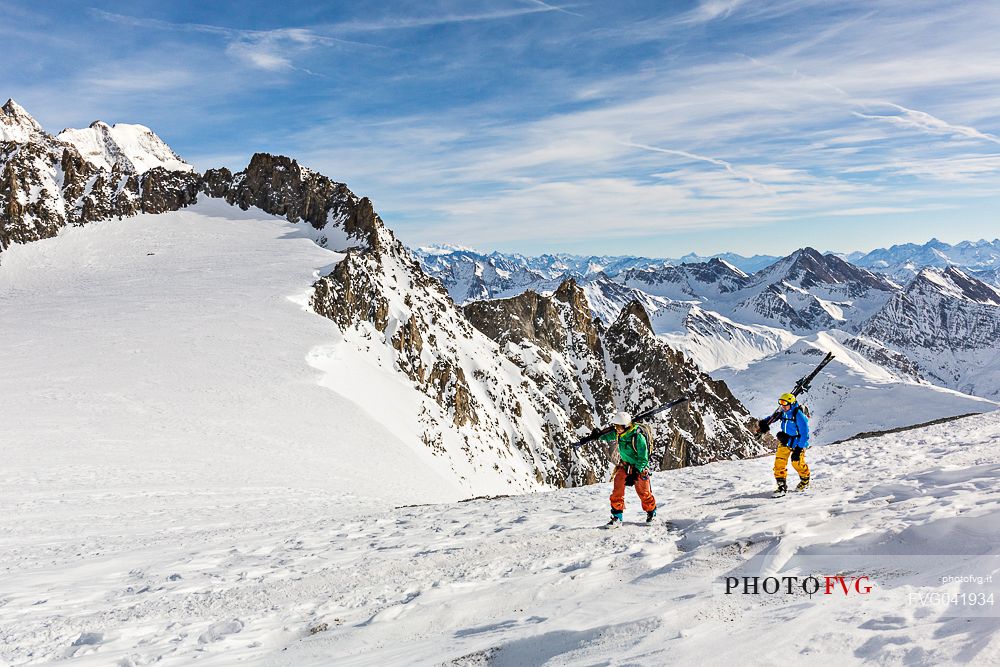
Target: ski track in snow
x,y
177,576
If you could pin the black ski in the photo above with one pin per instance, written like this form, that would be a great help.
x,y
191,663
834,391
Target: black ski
x,y
802,385
639,417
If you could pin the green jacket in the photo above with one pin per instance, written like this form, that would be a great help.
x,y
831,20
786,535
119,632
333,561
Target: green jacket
x,y
632,447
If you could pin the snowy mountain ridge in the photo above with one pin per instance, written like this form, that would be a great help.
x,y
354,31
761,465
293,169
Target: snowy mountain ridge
x,y
717,314
948,324
902,262
132,148
17,125
469,274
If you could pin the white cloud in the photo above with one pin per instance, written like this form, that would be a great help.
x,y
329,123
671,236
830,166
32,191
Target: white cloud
x,y
925,122
709,10
711,160
259,56
271,50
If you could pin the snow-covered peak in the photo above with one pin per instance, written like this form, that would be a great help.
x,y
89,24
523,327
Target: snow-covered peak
x,y
957,284
134,148
436,249
808,268
732,267
17,125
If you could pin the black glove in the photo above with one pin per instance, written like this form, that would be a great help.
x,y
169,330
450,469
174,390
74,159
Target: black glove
x,y
796,453
782,438
764,425
595,434
631,474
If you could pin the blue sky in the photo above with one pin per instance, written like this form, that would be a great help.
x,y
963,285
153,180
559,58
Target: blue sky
x,y
653,128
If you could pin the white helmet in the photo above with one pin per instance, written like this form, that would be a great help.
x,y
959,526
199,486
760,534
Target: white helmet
x,y
622,419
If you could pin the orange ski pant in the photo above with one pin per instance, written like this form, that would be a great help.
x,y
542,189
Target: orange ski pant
x,y
642,488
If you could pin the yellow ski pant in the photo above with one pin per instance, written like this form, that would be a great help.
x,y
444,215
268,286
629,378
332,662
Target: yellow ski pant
x,y
781,463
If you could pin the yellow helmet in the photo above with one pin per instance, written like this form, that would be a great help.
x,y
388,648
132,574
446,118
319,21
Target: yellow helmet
x,y
787,398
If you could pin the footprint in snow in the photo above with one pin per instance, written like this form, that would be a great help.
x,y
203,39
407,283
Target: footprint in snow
x,y
83,642
221,630
884,623
579,565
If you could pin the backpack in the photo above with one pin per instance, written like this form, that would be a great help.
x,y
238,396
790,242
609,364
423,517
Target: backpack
x,y
647,432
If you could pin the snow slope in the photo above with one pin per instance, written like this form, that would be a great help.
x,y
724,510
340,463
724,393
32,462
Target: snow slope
x,y
99,571
169,352
850,396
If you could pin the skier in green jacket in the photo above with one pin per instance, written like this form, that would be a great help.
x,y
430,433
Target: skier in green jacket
x,y
633,469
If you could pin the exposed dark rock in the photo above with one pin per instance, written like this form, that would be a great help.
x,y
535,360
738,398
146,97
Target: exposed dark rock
x,y
635,310
47,184
527,317
216,182
164,190
592,373
278,185
709,427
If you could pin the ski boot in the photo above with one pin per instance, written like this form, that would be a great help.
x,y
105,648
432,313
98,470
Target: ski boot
x,y
616,520
803,484
782,488
650,514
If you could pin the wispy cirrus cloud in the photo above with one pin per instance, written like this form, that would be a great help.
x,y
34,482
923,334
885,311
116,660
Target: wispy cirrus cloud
x,y
271,50
710,10
401,22
702,158
727,112
925,122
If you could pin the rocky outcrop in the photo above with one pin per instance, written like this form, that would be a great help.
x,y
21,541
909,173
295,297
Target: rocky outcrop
x,y
164,191
593,371
280,186
378,294
557,345
709,427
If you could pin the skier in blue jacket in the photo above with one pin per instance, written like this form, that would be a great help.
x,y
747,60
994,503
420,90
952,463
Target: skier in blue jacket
x,y
793,440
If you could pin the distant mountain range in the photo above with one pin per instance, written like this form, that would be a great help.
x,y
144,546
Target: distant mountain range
x,y
902,262
454,264
937,324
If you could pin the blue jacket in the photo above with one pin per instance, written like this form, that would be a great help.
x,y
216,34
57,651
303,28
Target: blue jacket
x,y
796,425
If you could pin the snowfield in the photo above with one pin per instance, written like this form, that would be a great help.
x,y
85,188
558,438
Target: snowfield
x,y
177,575
171,351
183,483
